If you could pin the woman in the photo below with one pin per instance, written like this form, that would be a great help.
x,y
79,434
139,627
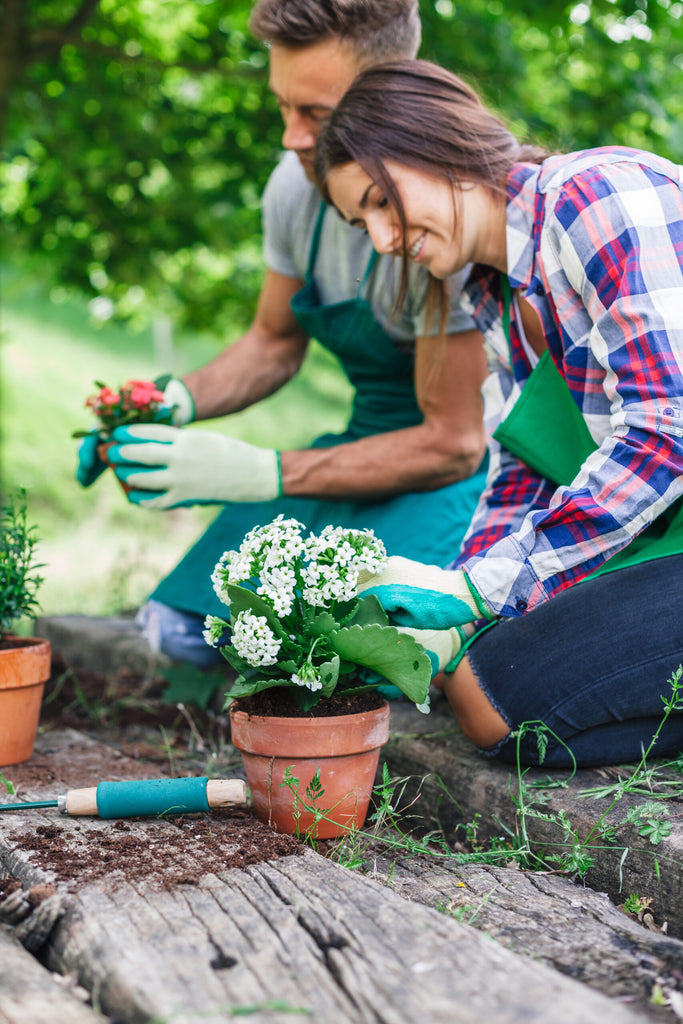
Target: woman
x,y
573,554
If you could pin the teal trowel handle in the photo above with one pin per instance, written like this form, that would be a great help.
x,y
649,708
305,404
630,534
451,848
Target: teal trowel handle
x,y
153,797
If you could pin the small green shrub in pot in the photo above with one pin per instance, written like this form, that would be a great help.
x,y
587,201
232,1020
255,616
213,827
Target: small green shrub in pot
x,y
19,576
24,661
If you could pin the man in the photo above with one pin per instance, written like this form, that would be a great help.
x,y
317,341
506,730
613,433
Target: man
x,y
408,465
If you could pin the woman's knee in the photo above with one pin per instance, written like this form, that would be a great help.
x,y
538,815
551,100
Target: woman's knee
x,y
475,713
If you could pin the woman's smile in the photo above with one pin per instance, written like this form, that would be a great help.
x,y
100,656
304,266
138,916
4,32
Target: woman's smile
x,y
445,228
416,247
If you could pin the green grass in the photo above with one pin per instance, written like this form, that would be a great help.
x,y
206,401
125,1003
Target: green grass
x,y
101,554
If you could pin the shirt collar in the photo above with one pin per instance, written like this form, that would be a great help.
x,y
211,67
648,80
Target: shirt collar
x,y
521,222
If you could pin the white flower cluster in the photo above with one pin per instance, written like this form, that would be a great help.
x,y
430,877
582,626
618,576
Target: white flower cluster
x,y
269,554
254,640
308,676
335,559
214,628
281,564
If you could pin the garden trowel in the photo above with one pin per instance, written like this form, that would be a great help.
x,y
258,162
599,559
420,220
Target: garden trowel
x,y
144,797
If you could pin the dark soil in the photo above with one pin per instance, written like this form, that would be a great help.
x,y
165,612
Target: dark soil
x,y
279,703
178,851
126,715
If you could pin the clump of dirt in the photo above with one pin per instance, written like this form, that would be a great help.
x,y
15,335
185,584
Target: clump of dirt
x,y
8,886
278,702
177,851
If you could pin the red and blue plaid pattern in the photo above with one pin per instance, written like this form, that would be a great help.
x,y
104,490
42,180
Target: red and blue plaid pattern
x,y
595,243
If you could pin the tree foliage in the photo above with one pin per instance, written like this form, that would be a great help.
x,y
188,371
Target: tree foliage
x,y
137,135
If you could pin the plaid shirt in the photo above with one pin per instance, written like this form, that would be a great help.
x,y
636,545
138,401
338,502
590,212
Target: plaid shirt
x,y
595,243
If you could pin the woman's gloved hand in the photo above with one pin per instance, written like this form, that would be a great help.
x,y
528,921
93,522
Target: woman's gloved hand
x,y
424,596
165,467
445,647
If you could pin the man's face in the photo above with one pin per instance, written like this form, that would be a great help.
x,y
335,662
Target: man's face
x,y
308,83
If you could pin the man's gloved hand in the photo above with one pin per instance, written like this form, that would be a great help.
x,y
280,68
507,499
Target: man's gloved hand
x,y
166,467
178,398
444,646
90,465
424,596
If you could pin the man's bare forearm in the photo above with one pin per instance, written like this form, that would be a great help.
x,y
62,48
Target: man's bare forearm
x,y
252,368
380,466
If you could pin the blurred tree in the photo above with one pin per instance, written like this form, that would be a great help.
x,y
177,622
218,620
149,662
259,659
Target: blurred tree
x,y
137,135
570,74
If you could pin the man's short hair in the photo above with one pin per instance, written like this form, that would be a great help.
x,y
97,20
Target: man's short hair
x,y
378,30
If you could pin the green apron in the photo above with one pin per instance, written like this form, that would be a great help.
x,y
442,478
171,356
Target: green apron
x,y
426,526
547,431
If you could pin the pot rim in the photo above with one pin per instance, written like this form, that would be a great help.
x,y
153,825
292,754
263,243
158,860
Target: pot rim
x,y
321,736
26,663
310,720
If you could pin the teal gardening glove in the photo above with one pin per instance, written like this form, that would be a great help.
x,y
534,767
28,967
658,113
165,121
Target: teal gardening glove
x,y
90,466
423,596
167,468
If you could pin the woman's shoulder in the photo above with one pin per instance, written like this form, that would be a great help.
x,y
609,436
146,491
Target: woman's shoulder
x,y
608,163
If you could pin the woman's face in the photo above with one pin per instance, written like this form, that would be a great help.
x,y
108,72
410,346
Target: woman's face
x,y
427,204
430,205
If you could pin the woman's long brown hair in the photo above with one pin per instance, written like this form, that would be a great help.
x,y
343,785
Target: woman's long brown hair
x,y
424,117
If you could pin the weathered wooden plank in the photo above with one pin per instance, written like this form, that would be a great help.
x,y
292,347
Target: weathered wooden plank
x,y
307,933
575,930
29,994
431,748
301,934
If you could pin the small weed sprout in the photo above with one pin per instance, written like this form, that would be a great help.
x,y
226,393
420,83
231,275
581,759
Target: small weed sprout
x,y
9,786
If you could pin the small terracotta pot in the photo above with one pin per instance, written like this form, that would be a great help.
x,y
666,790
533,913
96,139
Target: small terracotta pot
x,y
102,451
24,669
344,747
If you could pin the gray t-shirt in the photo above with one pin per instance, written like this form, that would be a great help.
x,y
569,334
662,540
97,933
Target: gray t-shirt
x,y
290,210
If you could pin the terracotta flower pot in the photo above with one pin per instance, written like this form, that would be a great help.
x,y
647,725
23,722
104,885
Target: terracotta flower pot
x,y
102,451
344,747
24,669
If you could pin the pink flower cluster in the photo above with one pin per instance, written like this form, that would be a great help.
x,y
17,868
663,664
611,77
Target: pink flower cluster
x,y
136,401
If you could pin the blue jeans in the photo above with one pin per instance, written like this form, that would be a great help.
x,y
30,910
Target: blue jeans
x,y
593,664
178,635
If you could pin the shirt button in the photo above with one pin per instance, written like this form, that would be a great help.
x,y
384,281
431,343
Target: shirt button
x,y
539,289
668,412
521,605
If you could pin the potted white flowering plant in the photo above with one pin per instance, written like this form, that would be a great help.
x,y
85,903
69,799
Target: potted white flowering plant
x,y
309,653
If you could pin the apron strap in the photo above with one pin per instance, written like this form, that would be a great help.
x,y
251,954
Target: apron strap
x,y
315,245
315,242
374,255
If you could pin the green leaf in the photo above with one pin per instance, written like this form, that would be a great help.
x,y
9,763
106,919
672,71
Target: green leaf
x,y
189,684
234,659
345,610
329,674
248,687
395,656
243,600
369,611
323,623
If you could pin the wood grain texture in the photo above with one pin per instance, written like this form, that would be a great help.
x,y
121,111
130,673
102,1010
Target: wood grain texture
x,y
305,938
29,994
